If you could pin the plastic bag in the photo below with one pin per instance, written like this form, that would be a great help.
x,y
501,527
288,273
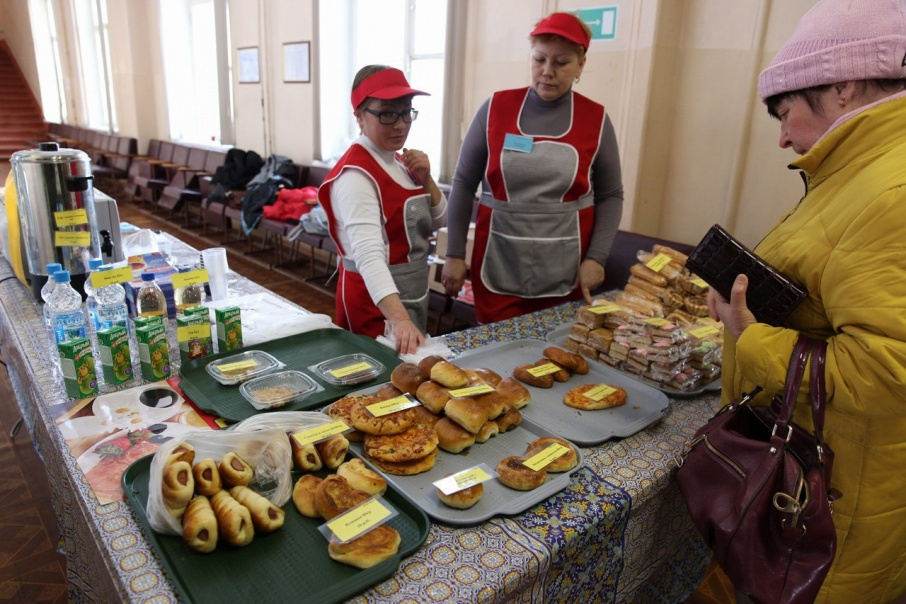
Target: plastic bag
x,y
289,422
267,451
432,346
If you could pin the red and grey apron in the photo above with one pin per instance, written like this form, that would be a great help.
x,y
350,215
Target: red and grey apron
x,y
406,217
534,225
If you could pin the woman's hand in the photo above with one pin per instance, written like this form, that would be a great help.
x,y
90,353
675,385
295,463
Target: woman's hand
x,y
408,337
591,276
453,275
734,314
418,163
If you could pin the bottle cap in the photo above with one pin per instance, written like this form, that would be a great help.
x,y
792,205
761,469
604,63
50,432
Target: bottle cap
x,y
147,276
94,263
61,277
53,267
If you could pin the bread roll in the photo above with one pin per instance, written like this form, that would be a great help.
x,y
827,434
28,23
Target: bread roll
x,y
452,437
517,395
561,375
482,374
207,477
333,451
304,495
449,375
388,391
428,362
423,417
305,457
392,423
408,377
464,499
570,361
266,516
199,525
177,487
495,403
334,496
643,272
361,477
433,396
414,443
375,546
183,452
489,429
467,412
521,373
235,471
509,420
513,474
234,523
564,463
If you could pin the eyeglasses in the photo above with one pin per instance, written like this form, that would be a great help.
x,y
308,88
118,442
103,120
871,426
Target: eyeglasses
x,y
391,117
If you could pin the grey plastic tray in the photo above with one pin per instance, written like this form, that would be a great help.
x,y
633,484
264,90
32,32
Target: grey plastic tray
x,y
559,334
644,404
497,498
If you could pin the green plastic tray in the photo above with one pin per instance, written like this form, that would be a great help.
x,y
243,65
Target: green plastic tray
x,y
290,564
298,352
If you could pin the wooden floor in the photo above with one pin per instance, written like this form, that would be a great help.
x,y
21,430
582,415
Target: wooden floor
x,y
31,568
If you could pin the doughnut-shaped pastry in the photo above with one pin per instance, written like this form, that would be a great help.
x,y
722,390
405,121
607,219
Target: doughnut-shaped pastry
x,y
564,463
570,361
234,523
304,495
207,477
266,516
542,381
177,487
235,471
333,451
513,474
449,375
361,477
199,525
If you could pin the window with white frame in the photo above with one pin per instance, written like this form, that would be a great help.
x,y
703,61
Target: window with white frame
x,y
406,34
94,64
47,56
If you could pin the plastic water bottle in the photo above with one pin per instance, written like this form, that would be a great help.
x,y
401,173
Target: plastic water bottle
x,y
151,300
91,304
52,267
111,305
189,295
66,314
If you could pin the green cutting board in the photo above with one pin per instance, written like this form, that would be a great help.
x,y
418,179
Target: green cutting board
x,y
299,352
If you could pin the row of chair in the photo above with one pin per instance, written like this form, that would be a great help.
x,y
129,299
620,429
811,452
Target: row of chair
x,y
111,154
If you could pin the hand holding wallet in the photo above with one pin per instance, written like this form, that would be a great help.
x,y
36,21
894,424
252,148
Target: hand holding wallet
x,y
719,258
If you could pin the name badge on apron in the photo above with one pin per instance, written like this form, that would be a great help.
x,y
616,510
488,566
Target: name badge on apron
x,y
515,142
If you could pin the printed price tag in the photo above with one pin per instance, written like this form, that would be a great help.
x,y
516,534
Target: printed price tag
x,y
348,370
545,369
392,405
547,455
101,279
603,309
238,365
472,390
464,479
358,520
658,262
698,281
189,278
656,321
319,433
193,332
599,392
70,217
72,239
703,332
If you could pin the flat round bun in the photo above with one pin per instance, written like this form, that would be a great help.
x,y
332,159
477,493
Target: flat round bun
x,y
576,398
452,437
392,423
513,474
334,496
304,495
361,477
464,499
449,375
407,468
564,463
414,443
467,412
433,396
375,546
517,394
408,377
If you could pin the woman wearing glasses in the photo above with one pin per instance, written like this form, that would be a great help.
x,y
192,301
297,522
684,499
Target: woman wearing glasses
x,y
382,206
552,193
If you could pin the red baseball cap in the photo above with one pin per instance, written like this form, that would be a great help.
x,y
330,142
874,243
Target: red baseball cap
x,y
565,25
386,84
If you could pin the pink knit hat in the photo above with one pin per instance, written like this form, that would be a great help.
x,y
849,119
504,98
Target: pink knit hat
x,y
838,41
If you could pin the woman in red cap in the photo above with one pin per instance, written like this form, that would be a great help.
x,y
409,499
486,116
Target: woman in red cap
x,y
552,193
381,207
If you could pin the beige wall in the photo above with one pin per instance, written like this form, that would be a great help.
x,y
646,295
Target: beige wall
x,y
678,82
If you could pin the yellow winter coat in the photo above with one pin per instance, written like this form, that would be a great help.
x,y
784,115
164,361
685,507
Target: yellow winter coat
x,y
846,243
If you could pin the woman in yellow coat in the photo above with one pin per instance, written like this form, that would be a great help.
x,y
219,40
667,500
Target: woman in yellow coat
x,y
838,87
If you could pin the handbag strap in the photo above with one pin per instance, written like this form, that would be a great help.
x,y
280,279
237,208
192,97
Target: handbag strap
x,y
794,374
817,387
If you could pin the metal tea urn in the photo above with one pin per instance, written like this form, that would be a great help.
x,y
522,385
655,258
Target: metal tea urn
x,y
56,212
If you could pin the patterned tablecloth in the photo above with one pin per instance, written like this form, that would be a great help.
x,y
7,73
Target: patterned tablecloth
x,y
619,532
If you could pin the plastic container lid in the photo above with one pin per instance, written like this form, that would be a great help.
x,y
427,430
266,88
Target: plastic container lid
x,y
348,370
277,389
243,366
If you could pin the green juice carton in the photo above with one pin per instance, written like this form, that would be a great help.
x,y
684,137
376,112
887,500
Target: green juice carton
x,y
193,332
153,351
77,363
197,310
229,328
147,320
116,362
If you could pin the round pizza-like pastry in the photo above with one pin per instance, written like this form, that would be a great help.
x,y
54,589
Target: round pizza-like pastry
x,y
369,423
407,468
576,398
414,443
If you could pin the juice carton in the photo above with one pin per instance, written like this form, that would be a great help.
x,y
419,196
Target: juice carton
x,y
148,320
193,332
77,364
229,328
197,310
116,361
153,351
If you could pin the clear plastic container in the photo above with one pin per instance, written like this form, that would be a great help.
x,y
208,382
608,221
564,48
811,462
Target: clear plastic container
x,y
243,366
278,389
348,370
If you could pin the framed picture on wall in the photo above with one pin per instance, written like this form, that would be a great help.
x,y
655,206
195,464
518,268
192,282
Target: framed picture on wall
x,y
248,65
297,62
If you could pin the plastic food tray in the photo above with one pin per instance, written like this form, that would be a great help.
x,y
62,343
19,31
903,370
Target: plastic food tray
x,y
287,565
260,364
261,391
297,352
336,371
497,498
557,336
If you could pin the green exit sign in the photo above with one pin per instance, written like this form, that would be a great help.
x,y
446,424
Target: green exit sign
x,y
601,20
